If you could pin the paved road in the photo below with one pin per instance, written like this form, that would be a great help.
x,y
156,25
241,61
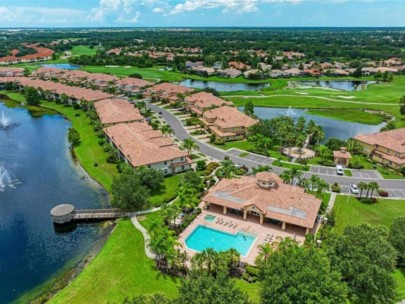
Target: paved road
x,y
396,188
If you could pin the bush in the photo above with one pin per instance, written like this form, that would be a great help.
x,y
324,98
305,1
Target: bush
x,y
219,141
245,276
327,162
335,188
367,200
383,193
253,271
210,168
402,170
201,165
73,137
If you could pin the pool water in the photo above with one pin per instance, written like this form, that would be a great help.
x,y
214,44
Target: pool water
x,y
203,237
210,218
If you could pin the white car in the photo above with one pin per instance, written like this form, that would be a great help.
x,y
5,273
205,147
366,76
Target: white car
x,y
339,170
353,188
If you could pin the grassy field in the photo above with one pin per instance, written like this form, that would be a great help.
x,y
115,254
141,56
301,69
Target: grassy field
x,y
169,191
83,50
89,152
354,115
349,211
121,269
252,289
339,104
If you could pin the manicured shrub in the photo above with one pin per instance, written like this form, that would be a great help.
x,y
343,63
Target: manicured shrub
x,y
383,193
253,271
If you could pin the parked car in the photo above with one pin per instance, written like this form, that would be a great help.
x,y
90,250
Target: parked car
x,y
339,170
353,188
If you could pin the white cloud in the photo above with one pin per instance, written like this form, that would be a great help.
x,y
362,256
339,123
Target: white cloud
x,y
121,10
158,10
238,6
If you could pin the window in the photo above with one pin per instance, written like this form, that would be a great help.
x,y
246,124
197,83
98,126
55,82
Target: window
x,y
182,159
182,168
165,162
149,166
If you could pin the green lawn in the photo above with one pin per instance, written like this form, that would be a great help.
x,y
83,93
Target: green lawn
x,y
168,193
347,172
389,174
279,163
348,211
83,50
339,104
354,115
252,289
89,152
121,269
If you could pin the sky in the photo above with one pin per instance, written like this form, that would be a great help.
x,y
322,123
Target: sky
x,y
194,13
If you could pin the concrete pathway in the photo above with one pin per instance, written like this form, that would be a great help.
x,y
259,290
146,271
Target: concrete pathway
x,y
146,237
331,202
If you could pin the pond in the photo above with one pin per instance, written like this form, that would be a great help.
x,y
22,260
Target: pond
x,y
37,172
64,66
332,127
223,86
344,85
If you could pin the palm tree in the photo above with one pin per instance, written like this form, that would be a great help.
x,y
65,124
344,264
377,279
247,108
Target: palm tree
x,y
295,173
265,251
228,169
147,112
362,186
233,257
314,181
189,145
353,146
285,176
373,186
166,130
322,185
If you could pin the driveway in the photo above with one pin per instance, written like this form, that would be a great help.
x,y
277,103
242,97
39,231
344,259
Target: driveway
x,y
251,161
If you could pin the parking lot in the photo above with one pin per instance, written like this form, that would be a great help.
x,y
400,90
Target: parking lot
x,y
252,157
364,174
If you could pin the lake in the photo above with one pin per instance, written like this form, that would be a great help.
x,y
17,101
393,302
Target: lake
x,y
344,85
332,127
223,86
37,172
64,66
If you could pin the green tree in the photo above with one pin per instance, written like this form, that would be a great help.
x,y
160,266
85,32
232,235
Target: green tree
x,y
73,137
151,178
189,145
227,169
249,108
32,96
204,288
366,261
397,239
299,274
128,193
362,186
166,130
402,105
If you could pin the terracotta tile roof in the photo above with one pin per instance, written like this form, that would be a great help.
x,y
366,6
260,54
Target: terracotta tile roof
x,y
74,92
170,88
50,71
11,71
112,111
342,153
283,202
133,82
229,117
393,139
142,145
204,100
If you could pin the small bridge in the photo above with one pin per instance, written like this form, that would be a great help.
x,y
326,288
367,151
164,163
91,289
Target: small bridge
x,y
66,213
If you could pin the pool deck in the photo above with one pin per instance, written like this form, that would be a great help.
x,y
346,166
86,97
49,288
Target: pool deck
x,y
251,225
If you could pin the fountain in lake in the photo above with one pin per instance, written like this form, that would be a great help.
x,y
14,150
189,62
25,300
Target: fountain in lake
x,y
289,112
5,122
6,180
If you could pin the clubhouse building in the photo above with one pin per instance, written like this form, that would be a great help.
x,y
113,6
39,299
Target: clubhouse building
x,y
266,198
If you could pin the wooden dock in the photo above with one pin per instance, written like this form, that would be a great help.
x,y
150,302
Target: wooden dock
x,y
67,213
98,214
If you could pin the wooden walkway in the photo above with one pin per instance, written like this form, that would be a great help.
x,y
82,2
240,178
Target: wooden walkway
x,y
99,214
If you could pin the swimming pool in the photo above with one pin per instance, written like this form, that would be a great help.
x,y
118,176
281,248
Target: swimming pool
x,y
210,218
203,237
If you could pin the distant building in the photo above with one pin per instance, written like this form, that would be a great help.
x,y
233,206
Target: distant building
x,y
386,148
227,123
342,157
202,101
